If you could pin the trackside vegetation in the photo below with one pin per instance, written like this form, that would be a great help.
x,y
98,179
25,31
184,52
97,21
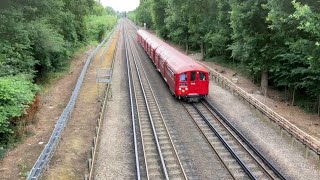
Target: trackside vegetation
x,y
38,39
276,42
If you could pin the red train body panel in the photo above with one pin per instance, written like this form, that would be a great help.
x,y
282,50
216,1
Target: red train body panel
x,y
186,78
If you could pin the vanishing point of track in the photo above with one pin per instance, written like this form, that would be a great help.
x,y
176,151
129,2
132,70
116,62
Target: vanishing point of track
x,y
160,157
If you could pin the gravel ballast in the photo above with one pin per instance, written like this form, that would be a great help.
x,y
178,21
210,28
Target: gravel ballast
x,y
115,158
264,135
115,155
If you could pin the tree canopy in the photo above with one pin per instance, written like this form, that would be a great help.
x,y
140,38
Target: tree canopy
x,y
276,40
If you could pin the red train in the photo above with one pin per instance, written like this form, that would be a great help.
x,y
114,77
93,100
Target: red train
x,y
186,78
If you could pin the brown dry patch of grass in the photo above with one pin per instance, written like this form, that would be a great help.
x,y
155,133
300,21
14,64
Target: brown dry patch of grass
x,y
70,159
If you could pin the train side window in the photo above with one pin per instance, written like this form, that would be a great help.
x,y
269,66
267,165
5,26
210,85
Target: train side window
x,y
193,76
171,72
183,76
202,76
161,62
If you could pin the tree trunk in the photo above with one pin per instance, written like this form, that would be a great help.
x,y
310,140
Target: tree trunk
x,y
286,94
202,52
319,105
293,95
187,48
264,83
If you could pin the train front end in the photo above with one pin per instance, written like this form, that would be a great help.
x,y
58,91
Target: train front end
x,y
192,85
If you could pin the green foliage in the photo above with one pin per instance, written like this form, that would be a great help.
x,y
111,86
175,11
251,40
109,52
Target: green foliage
x,y
16,93
158,16
100,21
2,152
98,25
48,47
219,36
37,39
24,169
296,31
109,11
143,14
132,16
250,35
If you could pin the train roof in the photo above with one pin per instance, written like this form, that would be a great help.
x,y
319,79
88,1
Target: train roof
x,y
177,61
152,40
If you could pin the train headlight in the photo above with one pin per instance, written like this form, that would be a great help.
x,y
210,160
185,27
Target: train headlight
x,y
182,90
179,89
186,89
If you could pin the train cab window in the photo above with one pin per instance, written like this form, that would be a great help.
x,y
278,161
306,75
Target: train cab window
x,y
193,76
183,76
202,76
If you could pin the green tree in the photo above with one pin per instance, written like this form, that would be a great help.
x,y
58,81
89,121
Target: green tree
x,y
296,34
200,15
218,37
158,15
144,14
251,37
177,22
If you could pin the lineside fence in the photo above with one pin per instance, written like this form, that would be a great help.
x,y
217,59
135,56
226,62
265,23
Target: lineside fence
x,y
88,175
48,151
308,141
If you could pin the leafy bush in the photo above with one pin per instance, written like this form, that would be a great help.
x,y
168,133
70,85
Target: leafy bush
x,y
16,93
98,25
37,39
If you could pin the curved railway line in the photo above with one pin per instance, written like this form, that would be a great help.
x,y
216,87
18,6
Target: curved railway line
x,y
242,160
160,157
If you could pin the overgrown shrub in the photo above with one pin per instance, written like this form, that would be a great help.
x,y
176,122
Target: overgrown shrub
x,y
98,25
16,93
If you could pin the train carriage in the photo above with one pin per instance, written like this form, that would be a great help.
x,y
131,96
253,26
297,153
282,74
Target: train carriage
x,y
154,45
186,78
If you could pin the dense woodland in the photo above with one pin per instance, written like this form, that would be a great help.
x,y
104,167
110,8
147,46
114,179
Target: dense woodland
x,y
276,42
37,39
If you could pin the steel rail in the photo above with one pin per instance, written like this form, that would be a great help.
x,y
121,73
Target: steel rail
x,y
238,141
226,145
48,151
138,112
164,168
208,141
166,128
224,119
304,138
132,24
132,109
141,129
139,115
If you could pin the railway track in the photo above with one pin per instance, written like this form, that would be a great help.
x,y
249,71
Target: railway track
x,y
241,159
160,157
